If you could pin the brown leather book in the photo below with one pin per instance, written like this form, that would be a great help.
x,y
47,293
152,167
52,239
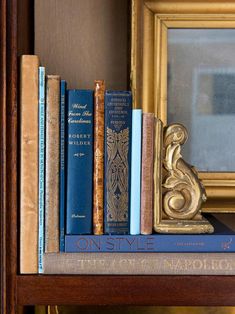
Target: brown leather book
x,y
52,164
98,176
29,164
146,210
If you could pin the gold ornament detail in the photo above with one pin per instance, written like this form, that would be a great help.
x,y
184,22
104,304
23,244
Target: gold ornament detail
x,y
184,192
117,175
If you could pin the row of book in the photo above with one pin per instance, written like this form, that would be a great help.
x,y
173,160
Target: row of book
x,y
87,175
86,162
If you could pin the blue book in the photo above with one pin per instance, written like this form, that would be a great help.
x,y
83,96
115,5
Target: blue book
x,y
223,240
117,161
41,168
135,171
63,110
79,162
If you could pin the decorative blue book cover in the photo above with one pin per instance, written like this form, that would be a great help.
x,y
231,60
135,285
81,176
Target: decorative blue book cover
x,y
117,161
63,110
41,162
151,243
135,171
221,241
79,162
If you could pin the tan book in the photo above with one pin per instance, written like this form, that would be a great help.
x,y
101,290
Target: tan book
x,y
140,263
146,210
29,164
98,175
52,163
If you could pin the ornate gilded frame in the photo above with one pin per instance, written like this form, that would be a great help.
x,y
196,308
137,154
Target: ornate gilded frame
x,y
150,22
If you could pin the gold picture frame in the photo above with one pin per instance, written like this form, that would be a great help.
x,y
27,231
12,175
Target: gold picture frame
x,y
150,23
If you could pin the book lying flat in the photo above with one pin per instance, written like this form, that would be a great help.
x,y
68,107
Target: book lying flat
x,y
139,263
223,240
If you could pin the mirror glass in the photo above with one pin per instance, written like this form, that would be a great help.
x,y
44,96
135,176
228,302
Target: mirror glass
x,y
201,95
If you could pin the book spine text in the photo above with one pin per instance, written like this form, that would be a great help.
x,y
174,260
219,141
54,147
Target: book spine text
x,y
52,163
79,162
118,117
62,162
41,157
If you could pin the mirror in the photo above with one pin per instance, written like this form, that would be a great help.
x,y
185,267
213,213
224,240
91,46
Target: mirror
x,y
201,94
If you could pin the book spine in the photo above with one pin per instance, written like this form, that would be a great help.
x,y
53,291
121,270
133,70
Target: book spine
x,y
157,172
41,172
98,176
118,117
62,162
79,162
29,164
52,163
147,174
150,243
135,171
140,263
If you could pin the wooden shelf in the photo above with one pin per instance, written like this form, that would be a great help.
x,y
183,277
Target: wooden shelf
x,y
81,290
126,290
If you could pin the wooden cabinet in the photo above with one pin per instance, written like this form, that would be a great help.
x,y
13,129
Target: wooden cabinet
x,y
17,37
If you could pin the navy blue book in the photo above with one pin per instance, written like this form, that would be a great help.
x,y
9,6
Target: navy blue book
x,y
223,240
63,110
117,161
79,162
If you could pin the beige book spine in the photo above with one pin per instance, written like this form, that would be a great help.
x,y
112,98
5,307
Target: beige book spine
x,y
29,164
140,263
146,210
52,164
98,175
157,173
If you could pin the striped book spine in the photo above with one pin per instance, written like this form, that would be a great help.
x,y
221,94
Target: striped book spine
x,y
62,161
41,157
135,171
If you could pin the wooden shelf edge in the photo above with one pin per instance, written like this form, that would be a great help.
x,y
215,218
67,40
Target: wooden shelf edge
x,y
126,290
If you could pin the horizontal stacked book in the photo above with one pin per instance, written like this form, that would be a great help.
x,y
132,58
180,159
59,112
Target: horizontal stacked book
x,y
87,182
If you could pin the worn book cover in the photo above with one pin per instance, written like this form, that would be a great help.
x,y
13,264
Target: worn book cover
x,y
140,263
118,117
41,171
29,132
79,162
98,175
52,163
63,128
147,174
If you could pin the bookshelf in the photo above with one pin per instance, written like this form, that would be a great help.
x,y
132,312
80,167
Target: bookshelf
x,y
17,37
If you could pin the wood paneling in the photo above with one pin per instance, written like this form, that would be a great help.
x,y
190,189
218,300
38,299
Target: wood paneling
x,y
84,40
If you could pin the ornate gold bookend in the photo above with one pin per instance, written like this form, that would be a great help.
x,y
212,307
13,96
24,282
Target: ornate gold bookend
x,y
183,193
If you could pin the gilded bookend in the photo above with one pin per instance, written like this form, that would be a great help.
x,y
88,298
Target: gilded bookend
x,y
183,193
118,117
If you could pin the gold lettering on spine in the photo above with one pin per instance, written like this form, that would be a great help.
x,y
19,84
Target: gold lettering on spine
x,y
98,179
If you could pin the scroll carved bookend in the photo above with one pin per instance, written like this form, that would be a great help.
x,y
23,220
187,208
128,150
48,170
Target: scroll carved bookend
x,y
183,192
